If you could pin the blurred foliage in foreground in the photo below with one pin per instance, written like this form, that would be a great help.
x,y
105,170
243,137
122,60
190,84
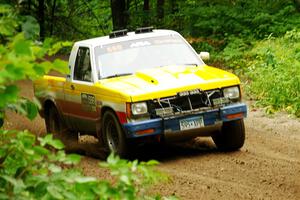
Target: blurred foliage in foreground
x,y
29,170
21,59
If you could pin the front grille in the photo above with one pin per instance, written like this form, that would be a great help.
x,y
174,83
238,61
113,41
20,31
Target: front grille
x,y
183,104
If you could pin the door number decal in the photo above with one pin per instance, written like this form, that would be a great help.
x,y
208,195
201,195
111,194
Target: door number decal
x,y
88,102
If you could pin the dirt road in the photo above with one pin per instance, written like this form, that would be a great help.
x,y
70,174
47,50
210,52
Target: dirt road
x,y
267,167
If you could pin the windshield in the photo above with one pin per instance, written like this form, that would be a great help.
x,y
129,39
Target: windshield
x,y
130,56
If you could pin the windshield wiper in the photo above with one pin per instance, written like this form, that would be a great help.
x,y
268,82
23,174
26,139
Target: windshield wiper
x,y
188,64
184,64
118,75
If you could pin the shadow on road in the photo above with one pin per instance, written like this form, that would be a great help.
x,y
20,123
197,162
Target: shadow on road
x,y
173,151
160,152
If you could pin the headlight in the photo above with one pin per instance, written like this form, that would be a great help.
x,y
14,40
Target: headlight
x,y
139,108
231,93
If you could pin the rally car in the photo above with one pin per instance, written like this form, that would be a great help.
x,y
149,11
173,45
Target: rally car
x,y
145,85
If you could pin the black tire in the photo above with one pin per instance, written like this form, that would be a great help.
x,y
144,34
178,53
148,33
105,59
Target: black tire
x,y
231,137
57,127
113,135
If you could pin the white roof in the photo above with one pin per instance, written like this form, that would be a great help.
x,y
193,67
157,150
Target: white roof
x,y
130,36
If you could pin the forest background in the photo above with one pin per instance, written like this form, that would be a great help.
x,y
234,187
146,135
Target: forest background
x,y
258,40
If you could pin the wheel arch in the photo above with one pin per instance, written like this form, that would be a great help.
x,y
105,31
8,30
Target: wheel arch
x,y
103,110
100,123
107,108
49,103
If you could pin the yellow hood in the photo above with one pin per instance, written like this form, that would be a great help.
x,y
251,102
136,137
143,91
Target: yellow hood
x,y
168,81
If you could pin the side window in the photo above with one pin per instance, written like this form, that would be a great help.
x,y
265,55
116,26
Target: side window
x,y
83,70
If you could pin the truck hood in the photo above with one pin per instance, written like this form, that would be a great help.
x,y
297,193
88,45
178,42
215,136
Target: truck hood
x,y
168,81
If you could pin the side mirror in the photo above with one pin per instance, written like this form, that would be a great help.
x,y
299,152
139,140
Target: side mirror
x,y
68,77
204,55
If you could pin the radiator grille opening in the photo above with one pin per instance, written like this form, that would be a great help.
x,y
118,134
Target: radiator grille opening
x,y
183,104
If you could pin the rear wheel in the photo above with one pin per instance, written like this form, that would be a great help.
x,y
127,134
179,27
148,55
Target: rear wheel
x,y
113,135
56,126
231,137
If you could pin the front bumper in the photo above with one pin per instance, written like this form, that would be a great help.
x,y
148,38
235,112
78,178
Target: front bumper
x,y
160,126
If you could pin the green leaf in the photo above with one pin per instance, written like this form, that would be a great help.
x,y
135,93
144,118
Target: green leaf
x,y
5,8
12,90
15,73
125,179
85,179
41,150
54,168
40,71
8,22
7,29
55,192
47,43
57,144
152,162
48,140
72,158
18,108
30,28
37,102
112,159
38,51
4,196
21,46
59,45
9,95
17,183
46,65
31,110
61,66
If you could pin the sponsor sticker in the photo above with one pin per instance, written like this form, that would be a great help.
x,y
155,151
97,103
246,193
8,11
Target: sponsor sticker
x,y
88,102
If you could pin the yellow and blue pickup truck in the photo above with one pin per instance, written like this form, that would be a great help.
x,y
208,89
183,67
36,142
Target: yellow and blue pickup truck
x,y
147,85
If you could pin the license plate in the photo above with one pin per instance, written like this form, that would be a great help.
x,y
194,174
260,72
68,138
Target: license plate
x,y
191,123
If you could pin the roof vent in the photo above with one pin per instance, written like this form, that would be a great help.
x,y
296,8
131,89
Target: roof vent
x,y
144,30
118,33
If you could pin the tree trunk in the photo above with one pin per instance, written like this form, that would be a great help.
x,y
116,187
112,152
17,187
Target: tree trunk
x,y
29,7
41,19
119,14
52,17
173,6
160,9
146,9
146,6
297,4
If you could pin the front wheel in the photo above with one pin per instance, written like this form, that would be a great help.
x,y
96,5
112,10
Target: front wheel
x,y
231,137
113,135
